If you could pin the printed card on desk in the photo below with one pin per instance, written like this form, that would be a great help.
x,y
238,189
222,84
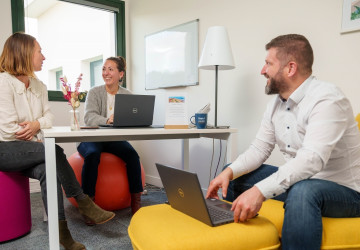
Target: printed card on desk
x,y
176,112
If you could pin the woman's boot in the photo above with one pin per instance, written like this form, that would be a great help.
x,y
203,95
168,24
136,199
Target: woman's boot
x,y
135,202
65,238
86,219
92,212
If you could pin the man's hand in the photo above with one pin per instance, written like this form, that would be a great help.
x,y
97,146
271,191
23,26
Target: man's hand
x,y
221,181
247,204
29,130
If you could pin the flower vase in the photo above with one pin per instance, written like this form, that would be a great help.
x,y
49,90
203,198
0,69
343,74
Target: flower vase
x,y
74,119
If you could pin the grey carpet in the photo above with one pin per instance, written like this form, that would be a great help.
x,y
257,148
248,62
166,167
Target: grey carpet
x,y
111,235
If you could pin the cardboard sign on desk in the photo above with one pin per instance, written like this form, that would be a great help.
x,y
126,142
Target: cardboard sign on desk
x,y
176,112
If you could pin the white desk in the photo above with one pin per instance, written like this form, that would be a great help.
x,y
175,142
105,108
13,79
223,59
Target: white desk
x,y
64,134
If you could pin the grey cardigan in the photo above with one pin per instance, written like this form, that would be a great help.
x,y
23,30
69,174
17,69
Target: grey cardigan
x,y
95,105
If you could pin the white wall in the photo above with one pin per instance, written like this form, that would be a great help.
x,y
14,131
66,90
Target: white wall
x,y
5,21
250,24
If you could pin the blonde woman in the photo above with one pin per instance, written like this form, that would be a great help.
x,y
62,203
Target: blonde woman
x,y
24,110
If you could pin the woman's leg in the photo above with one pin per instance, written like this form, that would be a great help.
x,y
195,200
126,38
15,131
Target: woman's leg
x,y
91,151
38,173
20,155
72,188
128,154
29,159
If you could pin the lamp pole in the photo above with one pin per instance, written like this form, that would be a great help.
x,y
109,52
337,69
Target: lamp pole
x,y
216,94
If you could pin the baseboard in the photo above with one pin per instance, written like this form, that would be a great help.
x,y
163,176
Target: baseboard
x,y
153,180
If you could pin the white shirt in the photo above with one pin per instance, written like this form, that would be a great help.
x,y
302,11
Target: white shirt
x,y
315,130
18,104
110,105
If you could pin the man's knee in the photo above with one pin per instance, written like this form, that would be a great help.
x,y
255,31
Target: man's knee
x,y
302,193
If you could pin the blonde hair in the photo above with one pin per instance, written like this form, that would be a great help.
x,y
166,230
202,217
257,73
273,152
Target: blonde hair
x,y
17,55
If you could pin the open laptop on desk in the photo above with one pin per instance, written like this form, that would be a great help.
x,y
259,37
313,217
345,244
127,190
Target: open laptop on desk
x,y
132,111
184,193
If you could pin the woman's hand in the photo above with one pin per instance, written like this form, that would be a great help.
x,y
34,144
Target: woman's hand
x,y
29,130
110,120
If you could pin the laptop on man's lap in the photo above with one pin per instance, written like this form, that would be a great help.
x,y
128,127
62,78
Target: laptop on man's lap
x,y
184,193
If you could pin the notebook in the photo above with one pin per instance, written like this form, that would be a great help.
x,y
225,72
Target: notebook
x,y
184,193
132,111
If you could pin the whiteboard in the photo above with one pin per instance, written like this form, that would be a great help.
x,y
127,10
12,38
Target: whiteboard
x,y
171,57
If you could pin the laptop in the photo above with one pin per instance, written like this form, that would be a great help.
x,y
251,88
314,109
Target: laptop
x,y
132,110
184,193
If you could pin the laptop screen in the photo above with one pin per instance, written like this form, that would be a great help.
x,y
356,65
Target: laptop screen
x,y
133,110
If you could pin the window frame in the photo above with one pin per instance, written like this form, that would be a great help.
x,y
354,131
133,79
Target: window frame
x,y
115,6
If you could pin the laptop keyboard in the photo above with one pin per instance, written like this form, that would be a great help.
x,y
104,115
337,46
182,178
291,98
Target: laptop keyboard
x,y
217,215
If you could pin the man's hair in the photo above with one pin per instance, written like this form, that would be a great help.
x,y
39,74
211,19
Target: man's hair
x,y
293,47
17,55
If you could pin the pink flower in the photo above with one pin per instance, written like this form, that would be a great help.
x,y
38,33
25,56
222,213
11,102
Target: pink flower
x,y
73,97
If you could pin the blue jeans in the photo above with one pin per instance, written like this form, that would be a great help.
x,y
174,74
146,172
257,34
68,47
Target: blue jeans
x,y
28,158
305,203
91,152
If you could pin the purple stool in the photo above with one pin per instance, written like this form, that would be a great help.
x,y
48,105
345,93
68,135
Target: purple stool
x,y
15,208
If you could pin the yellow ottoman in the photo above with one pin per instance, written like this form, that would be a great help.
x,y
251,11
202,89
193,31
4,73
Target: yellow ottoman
x,y
162,227
338,233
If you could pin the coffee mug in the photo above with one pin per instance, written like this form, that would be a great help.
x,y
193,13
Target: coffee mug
x,y
200,120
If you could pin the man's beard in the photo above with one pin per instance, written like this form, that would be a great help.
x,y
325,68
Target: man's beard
x,y
276,84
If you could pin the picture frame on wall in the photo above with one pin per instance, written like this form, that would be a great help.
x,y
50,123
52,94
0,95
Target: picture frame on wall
x,y
350,16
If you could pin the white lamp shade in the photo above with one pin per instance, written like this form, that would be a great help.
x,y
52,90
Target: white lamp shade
x,y
217,50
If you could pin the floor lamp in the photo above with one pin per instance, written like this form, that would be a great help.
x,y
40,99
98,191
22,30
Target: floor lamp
x,y
216,55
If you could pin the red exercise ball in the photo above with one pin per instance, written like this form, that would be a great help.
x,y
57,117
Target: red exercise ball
x,y
112,186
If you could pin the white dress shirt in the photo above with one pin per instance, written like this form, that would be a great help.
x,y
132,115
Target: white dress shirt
x,y
316,132
18,104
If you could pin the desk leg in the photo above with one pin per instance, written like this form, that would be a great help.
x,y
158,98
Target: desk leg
x,y
231,148
185,154
53,223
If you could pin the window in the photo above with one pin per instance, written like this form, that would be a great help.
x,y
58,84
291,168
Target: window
x,y
62,62
95,73
58,74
